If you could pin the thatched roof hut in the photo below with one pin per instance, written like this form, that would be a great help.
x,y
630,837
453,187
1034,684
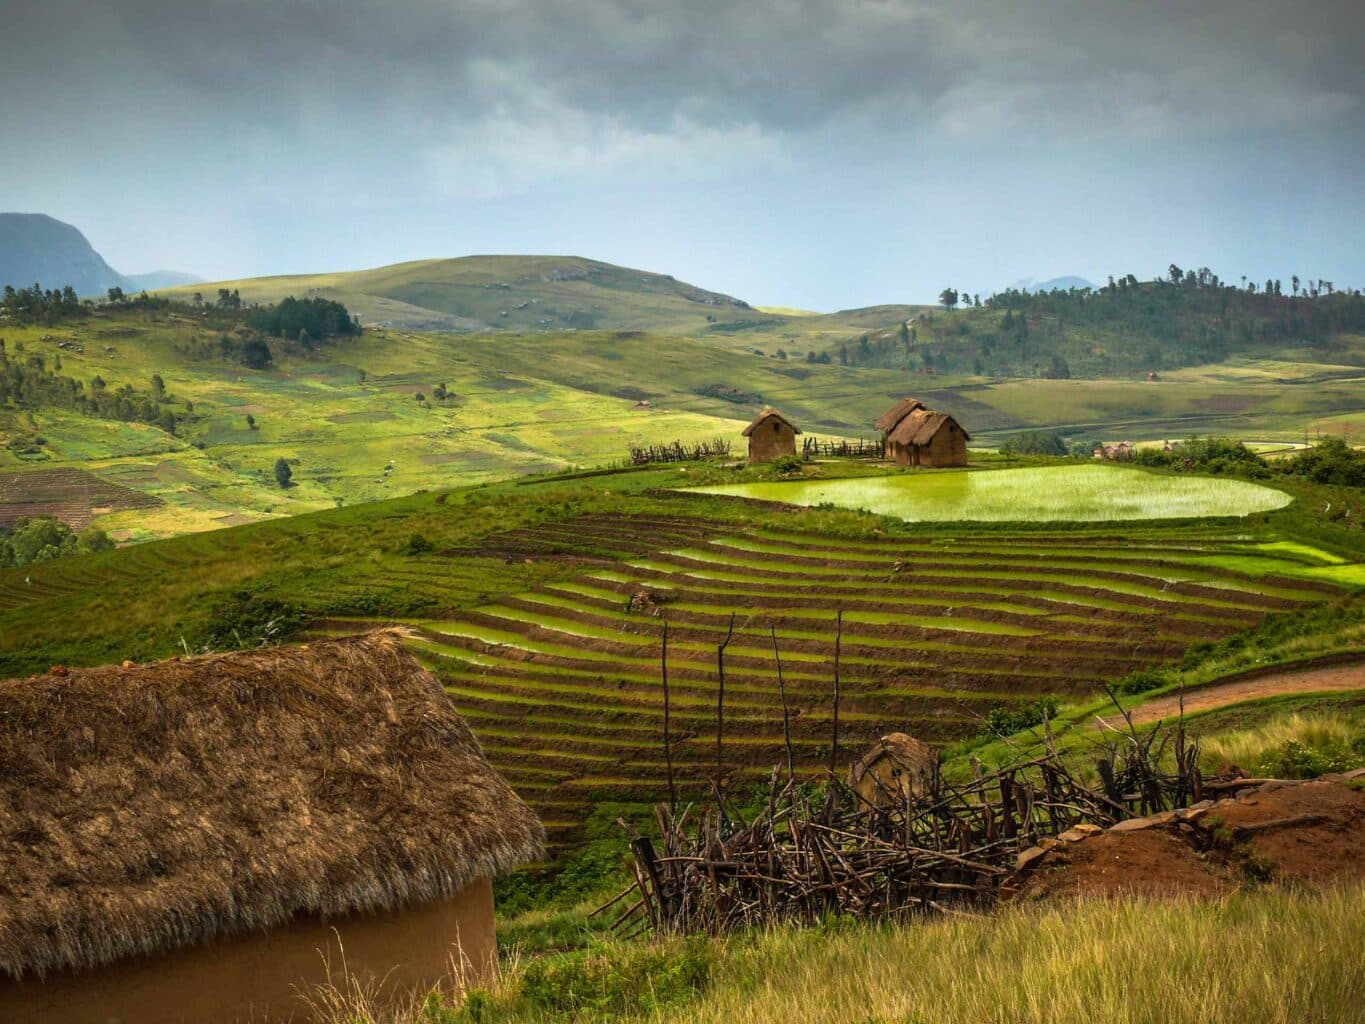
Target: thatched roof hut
x,y
917,436
770,435
896,413
898,767
150,809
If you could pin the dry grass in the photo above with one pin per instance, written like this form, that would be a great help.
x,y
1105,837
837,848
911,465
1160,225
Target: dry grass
x,y
1274,957
1265,746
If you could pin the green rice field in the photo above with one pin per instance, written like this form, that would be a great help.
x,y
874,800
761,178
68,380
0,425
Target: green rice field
x,y
1087,493
562,681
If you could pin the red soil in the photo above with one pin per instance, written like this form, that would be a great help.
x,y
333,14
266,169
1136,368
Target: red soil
x,y
1309,833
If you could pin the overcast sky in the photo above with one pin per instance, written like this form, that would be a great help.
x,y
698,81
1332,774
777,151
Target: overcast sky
x,y
796,152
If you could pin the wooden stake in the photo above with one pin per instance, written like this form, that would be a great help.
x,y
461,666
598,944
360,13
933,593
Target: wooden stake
x,y
720,698
786,718
838,643
668,735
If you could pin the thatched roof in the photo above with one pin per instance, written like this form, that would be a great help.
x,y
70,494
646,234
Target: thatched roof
x,y
920,426
769,411
903,749
896,413
159,806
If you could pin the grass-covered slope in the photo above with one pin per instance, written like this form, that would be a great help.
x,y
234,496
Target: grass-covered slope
x,y
522,593
347,417
1277,957
526,293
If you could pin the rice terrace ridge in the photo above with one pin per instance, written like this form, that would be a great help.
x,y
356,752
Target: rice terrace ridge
x,y
637,558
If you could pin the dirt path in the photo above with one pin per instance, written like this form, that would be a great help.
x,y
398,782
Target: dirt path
x,y
1311,680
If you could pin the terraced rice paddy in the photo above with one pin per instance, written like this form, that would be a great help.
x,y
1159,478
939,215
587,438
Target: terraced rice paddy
x,y
1093,493
562,683
71,495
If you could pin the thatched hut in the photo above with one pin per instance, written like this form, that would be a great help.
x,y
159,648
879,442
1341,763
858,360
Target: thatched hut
x,y
206,839
896,769
771,435
918,436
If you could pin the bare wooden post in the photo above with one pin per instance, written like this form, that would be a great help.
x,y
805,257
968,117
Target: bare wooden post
x,y
668,735
720,697
838,642
782,692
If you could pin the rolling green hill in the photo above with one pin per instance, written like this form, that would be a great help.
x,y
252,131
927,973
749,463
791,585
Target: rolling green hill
x,y
346,413
525,599
522,293
554,294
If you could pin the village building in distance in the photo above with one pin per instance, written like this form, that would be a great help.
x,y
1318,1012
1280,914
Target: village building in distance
x,y
771,435
916,436
208,839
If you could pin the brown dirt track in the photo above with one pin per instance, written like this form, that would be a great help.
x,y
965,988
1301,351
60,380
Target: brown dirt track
x,y
1333,678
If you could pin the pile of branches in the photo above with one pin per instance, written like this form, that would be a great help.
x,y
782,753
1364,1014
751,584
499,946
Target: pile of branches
x,y
813,447
641,455
811,850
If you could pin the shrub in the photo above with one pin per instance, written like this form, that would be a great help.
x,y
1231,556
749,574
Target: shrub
x,y
244,621
416,544
1037,442
785,465
1141,681
1330,461
1214,455
1006,721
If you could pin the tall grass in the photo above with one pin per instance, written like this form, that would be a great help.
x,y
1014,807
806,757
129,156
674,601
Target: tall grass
x,y
1271,956
1296,745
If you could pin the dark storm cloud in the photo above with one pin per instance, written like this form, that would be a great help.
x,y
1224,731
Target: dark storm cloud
x,y
787,64
363,105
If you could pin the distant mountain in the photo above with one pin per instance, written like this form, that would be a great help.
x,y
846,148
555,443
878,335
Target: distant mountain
x,y
1060,284
155,279
36,248
513,293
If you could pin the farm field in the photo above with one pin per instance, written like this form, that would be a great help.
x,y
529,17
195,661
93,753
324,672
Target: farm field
x,y
347,417
541,605
562,682
1086,493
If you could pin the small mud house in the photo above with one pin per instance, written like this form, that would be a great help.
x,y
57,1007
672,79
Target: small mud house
x,y
203,840
916,436
896,769
771,435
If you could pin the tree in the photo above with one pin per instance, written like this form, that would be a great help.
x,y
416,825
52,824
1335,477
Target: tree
x,y
158,388
283,474
250,422
949,298
93,539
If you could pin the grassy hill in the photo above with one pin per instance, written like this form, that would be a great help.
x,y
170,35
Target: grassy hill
x,y
346,415
524,293
467,394
521,595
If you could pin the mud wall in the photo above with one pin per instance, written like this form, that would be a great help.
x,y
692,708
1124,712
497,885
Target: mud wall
x,y
244,978
770,439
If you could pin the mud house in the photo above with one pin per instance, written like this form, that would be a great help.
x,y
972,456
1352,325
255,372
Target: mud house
x,y
205,839
771,435
896,769
917,436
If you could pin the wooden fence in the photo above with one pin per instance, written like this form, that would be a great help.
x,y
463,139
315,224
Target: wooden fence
x,y
816,847
813,448
676,451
